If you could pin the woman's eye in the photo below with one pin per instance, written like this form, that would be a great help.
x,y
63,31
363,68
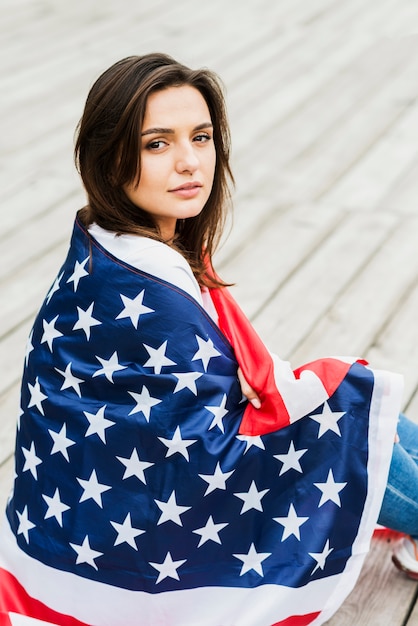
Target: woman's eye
x,y
155,145
202,137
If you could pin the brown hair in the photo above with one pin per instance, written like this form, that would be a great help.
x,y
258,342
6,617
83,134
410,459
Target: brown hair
x,y
108,149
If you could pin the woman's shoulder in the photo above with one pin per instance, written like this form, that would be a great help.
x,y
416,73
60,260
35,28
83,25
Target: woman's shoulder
x,y
150,256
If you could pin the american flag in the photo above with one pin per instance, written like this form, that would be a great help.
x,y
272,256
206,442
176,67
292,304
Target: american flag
x,y
145,491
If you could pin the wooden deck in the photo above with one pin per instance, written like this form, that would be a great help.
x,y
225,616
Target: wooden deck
x,y
324,249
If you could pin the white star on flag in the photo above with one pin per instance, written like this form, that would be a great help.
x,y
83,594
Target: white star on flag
x,y
252,560
61,442
177,444
217,480
168,568
126,532
157,359
31,460
109,367
251,440
209,532
171,511
50,332
291,523
98,423
55,507
86,321
328,420
36,396
251,498
144,402
290,460
134,466
78,273
218,413
29,347
92,489
55,287
206,351
25,525
187,380
70,380
321,557
85,554
330,490
133,308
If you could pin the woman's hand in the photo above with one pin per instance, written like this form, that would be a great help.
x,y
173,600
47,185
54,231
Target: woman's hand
x,y
248,391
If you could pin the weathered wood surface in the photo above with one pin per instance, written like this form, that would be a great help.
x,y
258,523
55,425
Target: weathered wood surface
x,y
323,107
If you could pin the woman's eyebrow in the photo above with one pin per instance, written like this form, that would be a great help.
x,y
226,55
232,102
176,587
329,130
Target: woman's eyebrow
x,y
170,131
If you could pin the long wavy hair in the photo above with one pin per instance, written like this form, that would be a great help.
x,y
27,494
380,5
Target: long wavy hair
x,y
108,154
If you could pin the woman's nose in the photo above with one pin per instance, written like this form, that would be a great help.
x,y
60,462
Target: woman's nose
x,y
187,160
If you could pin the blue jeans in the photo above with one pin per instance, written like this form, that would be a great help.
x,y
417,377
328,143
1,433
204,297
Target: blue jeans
x,y
400,503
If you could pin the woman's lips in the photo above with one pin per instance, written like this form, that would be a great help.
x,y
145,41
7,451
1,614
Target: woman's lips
x,y
188,190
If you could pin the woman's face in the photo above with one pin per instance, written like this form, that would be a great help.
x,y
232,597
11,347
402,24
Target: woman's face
x,y
177,157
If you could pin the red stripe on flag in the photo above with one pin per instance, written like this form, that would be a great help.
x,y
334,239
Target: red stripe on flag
x,y
256,364
14,599
298,620
330,371
5,620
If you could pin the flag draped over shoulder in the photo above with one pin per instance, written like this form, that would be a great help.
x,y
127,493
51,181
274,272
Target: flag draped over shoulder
x,y
148,492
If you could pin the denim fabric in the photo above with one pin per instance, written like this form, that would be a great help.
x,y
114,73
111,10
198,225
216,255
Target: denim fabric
x,y
400,503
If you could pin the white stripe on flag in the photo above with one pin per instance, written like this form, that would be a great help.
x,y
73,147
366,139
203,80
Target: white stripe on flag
x,y
22,620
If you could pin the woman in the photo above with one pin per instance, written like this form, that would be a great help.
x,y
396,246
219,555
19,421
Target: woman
x,y
148,491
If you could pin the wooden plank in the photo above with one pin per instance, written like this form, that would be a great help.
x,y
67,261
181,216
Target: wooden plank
x,y
274,251
41,195
297,119
350,320
36,237
338,15
402,196
6,481
395,348
379,19
50,157
25,290
382,595
9,411
301,72
413,618
15,14
411,408
289,40
369,181
77,31
339,147
402,22
12,355
304,303
297,12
